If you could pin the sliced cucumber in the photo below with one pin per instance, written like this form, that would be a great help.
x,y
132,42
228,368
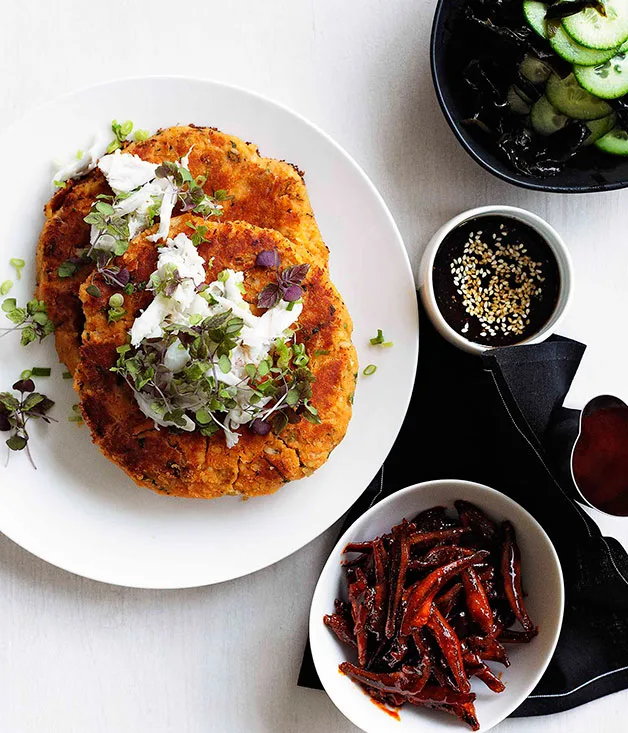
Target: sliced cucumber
x,y
614,142
545,118
518,105
564,45
592,29
572,100
607,81
599,128
533,69
534,12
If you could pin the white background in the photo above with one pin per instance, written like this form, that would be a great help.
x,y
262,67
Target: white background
x,y
78,656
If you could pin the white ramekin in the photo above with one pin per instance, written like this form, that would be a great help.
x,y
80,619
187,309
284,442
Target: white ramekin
x,y
549,234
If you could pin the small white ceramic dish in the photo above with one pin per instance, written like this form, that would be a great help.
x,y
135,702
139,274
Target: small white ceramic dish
x,y
549,234
542,577
80,511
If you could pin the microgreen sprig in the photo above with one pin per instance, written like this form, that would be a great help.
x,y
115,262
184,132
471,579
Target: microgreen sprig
x,y
289,280
15,413
275,392
19,265
32,321
190,193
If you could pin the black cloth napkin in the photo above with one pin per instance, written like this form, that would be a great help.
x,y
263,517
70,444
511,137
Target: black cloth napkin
x,y
498,419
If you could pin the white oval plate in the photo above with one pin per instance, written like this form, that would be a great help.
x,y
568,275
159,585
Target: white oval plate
x,y
78,510
542,579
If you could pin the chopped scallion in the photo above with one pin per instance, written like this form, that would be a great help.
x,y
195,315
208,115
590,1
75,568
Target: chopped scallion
x,y
370,369
41,371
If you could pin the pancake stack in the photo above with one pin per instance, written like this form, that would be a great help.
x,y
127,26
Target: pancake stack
x,y
265,208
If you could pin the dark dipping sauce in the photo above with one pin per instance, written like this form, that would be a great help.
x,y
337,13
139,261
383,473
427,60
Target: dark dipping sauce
x,y
600,460
496,280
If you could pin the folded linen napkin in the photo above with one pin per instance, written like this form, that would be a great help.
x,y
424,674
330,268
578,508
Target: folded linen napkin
x,y
498,419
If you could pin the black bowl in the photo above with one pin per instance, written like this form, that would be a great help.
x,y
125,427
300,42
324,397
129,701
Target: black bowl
x,y
585,173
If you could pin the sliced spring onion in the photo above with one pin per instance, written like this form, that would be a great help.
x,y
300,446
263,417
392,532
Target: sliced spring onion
x,y
41,371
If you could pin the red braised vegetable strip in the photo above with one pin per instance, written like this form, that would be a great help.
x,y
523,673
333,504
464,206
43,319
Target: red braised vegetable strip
x,y
400,555
360,598
448,599
477,601
464,711
407,682
511,575
377,618
509,636
473,517
358,547
340,626
475,667
488,648
450,647
453,535
433,519
418,598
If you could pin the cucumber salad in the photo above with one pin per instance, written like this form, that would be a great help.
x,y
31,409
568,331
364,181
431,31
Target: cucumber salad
x,y
548,81
593,38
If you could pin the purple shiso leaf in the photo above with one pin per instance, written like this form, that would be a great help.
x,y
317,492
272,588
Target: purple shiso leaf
x,y
24,385
260,427
114,276
294,275
269,297
294,292
268,258
4,420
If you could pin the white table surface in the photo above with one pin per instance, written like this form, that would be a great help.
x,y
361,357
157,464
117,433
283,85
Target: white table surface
x,y
79,656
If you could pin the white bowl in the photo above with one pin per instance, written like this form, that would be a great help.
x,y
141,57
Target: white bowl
x,y
549,234
543,581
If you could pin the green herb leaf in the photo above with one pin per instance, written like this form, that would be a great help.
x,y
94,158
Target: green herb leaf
x,y
94,291
17,442
66,269
224,364
203,417
5,287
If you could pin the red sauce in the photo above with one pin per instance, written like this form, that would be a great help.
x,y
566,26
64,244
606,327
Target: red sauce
x,y
600,460
391,711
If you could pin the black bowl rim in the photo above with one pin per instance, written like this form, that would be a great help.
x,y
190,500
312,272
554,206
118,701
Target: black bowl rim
x,y
530,184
